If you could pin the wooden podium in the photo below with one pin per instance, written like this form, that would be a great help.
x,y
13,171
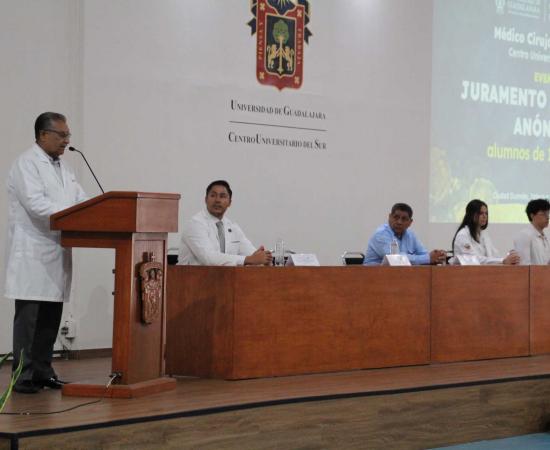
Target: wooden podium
x,y
136,225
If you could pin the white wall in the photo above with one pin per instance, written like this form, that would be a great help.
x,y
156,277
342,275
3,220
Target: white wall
x,y
158,79
147,87
40,71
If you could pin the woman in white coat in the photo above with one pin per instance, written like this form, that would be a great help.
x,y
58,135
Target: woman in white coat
x,y
472,238
38,269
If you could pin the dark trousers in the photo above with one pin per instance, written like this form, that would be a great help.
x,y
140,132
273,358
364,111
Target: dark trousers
x,y
35,328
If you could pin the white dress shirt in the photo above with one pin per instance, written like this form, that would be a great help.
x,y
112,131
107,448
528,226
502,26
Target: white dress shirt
x,y
200,244
532,246
485,251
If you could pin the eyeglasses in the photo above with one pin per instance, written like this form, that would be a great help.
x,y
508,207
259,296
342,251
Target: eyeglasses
x,y
61,134
403,218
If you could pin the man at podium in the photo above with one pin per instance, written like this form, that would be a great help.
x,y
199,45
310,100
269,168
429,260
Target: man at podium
x,y
38,269
211,239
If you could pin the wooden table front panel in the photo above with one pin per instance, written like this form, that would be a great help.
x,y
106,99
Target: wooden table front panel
x,y
256,322
321,319
199,321
540,309
479,312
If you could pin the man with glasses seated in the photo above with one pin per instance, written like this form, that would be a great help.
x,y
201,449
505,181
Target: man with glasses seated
x,y
397,231
531,243
38,269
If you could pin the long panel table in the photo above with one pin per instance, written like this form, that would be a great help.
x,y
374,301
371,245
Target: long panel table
x,y
479,312
539,293
248,322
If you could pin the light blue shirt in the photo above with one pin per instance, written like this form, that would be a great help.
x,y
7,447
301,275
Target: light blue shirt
x,y
380,243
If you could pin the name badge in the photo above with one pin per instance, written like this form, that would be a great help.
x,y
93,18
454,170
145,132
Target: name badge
x,y
302,259
396,260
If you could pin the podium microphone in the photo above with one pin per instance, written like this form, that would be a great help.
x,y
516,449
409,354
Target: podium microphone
x,y
72,149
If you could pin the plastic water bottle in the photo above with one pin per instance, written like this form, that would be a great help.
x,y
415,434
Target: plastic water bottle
x,y
280,252
394,247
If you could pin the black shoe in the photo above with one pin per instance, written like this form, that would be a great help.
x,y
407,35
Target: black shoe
x,y
27,387
52,383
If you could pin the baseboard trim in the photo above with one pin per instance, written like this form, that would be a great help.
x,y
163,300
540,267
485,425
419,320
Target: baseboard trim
x,y
88,353
91,353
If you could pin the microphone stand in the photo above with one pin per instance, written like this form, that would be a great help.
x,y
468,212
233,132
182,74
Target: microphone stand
x,y
72,149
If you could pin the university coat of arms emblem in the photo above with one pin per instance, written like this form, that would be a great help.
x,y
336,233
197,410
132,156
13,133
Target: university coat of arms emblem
x,y
281,30
151,275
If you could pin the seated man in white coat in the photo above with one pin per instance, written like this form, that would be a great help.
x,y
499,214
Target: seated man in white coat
x,y
531,243
38,269
211,239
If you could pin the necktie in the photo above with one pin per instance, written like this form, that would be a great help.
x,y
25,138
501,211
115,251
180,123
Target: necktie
x,y
221,236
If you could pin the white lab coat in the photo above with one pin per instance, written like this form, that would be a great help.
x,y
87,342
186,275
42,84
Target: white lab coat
x,y
532,246
37,267
200,244
465,244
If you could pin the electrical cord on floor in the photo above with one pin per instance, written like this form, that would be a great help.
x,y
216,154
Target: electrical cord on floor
x,y
113,376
